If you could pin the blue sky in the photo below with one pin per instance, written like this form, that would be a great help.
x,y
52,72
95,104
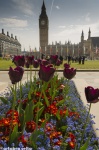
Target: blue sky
x,y
67,19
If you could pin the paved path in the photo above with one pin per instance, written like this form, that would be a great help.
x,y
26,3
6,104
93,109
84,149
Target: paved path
x,y
81,80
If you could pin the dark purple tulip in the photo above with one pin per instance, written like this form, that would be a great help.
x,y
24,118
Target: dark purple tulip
x,y
35,63
19,60
53,59
27,65
46,72
66,65
58,62
16,74
39,60
29,59
44,62
69,73
91,94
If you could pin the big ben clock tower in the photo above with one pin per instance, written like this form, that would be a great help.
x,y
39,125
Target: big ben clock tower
x,y
43,28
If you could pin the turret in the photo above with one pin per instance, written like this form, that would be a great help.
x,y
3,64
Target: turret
x,y
89,34
43,12
82,36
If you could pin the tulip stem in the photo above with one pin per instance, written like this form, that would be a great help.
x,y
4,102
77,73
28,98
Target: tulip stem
x,y
85,125
27,76
37,117
20,90
13,108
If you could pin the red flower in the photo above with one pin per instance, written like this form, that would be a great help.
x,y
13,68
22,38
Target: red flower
x,y
46,72
52,109
73,140
69,73
16,74
91,94
30,126
23,139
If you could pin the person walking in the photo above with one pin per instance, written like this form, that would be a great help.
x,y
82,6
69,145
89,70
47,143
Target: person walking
x,y
80,58
83,59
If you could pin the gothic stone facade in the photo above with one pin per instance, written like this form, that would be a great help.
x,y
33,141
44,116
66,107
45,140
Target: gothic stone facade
x,y
84,47
9,45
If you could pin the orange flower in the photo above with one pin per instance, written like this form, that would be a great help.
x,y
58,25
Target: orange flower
x,y
6,121
72,144
55,134
75,114
12,112
52,109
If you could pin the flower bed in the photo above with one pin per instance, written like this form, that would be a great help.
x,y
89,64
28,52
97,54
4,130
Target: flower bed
x,y
46,113
64,125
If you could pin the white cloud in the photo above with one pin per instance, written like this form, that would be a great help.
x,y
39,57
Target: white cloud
x,y
13,22
23,6
87,18
73,32
57,7
62,27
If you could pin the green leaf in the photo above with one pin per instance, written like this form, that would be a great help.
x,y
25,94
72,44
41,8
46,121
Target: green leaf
x,y
63,128
12,89
46,99
33,138
4,100
58,115
43,124
60,102
66,113
21,117
29,95
39,104
14,134
85,146
39,113
28,115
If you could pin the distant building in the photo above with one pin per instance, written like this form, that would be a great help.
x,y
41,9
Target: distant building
x,y
9,45
89,47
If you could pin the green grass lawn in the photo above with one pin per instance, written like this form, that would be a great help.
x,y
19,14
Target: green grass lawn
x,y
90,64
5,64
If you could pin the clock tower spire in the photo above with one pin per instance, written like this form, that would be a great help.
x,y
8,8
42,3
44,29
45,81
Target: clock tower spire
x,y
43,28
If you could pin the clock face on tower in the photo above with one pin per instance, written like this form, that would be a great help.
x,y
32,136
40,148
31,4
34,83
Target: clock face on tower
x,y
43,22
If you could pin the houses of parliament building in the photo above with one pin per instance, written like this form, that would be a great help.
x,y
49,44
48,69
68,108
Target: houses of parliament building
x,y
9,45
88,48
